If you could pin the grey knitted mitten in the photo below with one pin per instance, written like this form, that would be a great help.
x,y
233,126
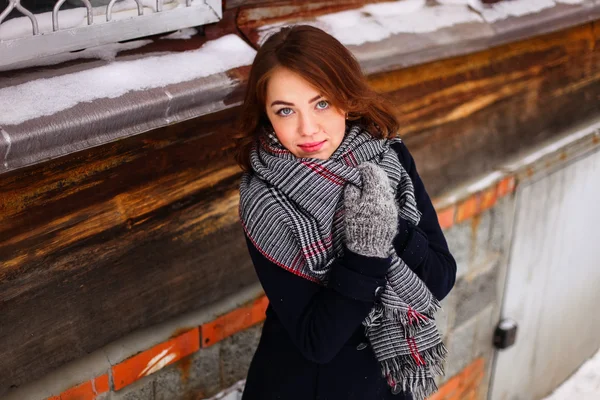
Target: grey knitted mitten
x,y
371,216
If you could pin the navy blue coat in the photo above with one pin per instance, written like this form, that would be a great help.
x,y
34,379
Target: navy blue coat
x,y
311,346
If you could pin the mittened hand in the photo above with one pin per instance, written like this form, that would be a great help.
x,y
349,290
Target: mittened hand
x,y
371,219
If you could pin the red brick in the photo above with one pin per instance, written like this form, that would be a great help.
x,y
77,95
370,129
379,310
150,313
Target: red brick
x,y
101,384
463,386
506,186
447,391
468,208
152,360
446,217
476,367
86,391
81,392
234,321
488,198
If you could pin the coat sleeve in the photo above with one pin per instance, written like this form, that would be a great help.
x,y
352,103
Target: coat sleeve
x,y
423,247
320,319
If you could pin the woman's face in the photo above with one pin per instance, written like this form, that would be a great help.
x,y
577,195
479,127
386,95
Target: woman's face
x,y
304,121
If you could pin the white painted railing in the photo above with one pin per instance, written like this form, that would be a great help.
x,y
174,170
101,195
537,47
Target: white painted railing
x,y
88,23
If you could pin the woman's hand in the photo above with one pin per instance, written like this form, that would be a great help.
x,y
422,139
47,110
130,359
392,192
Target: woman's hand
x,y
371,215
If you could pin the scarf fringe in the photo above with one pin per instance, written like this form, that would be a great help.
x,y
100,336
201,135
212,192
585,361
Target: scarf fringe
x,y
412,325
401,367
420,388
373,320
415,378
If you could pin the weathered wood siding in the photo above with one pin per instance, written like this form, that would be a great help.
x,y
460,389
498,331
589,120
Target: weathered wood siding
x,y
102,242
463,116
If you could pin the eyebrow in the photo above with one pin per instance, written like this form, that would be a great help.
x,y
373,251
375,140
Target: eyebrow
x,y
285,103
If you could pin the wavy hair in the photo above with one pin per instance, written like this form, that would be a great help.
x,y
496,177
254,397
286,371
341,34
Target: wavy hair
x,y
327,65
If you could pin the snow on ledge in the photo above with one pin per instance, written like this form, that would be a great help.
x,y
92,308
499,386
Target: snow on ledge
x,y
513,8
185,33
375,22
42,97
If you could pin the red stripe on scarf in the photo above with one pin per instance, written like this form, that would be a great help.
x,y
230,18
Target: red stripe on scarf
x,y
351,154
349,159
414,351
324,172
271,149
317,247
414,315
296,263
390,381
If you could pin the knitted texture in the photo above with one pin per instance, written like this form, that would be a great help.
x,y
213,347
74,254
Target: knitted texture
x,y
371,220
292,209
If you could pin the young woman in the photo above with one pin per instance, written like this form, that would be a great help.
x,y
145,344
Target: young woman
x,y
342,233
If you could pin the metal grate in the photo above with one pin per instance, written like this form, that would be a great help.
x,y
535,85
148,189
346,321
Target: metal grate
x,y
79,24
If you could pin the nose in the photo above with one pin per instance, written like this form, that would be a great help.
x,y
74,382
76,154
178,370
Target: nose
x,y
308,125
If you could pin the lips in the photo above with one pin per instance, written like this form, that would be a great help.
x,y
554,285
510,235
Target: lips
x,y
312,147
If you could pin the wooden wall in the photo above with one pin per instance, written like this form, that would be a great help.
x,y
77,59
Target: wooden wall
x,y
100,243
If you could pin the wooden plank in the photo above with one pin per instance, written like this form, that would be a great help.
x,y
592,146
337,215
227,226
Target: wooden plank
x,y
485,106
112,186
100,243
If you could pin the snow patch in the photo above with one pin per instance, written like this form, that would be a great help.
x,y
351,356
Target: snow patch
x,y
514,8
508,8
583,384
570,1
48,96
232,393
186,33
485,182
375,22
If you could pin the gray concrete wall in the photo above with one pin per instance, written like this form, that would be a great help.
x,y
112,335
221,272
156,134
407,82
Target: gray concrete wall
x,y
199,376
472,309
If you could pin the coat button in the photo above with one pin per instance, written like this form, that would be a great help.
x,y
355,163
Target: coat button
x,y
396,389
361,346
378,291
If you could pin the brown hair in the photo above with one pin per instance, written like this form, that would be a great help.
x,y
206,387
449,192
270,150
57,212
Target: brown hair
x,y
327,65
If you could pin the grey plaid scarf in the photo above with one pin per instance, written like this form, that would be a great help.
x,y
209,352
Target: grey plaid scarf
x,y
292,210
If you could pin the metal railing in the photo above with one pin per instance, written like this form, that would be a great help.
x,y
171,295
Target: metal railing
x,y
88,23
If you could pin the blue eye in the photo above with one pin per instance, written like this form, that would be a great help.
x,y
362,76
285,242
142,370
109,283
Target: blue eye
x,y
322,105
284,112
